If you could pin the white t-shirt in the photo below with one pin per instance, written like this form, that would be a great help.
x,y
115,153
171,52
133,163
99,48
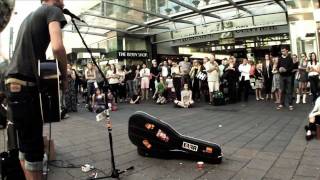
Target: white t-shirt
x,y
112,80
245,71
145,73
169,83
186,96
164,71
213,76
314,66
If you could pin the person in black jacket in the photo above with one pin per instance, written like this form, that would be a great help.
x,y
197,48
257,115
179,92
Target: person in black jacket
x,y
285,67
267,75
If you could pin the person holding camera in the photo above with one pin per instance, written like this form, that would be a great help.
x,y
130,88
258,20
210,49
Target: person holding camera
x,y
285,67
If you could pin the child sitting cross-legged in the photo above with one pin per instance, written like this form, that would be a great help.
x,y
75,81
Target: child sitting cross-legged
x,y
160,92
186,98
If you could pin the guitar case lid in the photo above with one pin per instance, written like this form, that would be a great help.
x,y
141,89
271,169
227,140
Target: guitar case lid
x,y
152,135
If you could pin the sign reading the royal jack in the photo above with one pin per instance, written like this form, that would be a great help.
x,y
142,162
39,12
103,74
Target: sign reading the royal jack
x,y
132,54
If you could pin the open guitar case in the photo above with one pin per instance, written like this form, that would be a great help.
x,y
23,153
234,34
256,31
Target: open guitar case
x,y
156,138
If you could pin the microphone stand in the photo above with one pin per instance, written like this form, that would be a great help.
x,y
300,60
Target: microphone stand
x,y
115,173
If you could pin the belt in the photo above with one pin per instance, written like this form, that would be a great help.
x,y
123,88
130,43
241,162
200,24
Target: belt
x,y
18,81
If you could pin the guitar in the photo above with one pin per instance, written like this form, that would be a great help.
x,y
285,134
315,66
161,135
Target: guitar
x,y
50,90
156,138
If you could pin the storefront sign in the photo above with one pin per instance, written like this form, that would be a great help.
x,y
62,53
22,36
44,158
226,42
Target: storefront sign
x,y
132,54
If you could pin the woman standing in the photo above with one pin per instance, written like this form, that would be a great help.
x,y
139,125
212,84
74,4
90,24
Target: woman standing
x,y
122,84
90,76
70,94
267,75
313,74
276,81
259,81
302,77
176,78
113,78
145,81
195,71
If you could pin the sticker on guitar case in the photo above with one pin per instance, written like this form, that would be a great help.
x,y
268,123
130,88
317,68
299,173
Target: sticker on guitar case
x,y
149,126
189,146
146,144
162,136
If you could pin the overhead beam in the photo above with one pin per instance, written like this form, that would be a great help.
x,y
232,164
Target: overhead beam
x,y
239,7
125,21
103,27
150,13
83,32
113,29
195,9
281,5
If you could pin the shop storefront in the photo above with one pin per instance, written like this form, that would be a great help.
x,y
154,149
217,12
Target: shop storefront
x,y
249,36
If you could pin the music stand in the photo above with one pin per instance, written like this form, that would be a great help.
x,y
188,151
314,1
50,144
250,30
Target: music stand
x,y
115,173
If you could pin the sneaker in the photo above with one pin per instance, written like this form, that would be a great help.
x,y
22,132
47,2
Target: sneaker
x,y
280,107
291,108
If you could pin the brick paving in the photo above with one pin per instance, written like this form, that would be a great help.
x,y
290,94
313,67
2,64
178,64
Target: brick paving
x,y
258,142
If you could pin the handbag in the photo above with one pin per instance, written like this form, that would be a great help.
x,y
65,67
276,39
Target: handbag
x,y
201,76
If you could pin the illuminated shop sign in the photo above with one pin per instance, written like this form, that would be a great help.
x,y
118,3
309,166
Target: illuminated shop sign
x,y
132,54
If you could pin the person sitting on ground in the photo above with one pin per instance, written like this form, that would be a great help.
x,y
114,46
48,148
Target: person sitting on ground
x,y
314,119
186,98
160,92
98,101
112,105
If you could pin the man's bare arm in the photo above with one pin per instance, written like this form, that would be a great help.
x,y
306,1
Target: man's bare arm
x,y
58,49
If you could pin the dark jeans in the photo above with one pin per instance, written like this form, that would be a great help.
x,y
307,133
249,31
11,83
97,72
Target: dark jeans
x,y
314,83
177,87
25,112
131,88
196,89
114,88
244,86
122,91
286,89
232,91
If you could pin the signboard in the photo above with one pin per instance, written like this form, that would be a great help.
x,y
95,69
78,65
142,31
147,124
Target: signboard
x,y
132,54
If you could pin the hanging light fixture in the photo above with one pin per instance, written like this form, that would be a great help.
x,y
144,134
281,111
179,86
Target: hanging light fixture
x,y
177,8
168,10
196,3
207,2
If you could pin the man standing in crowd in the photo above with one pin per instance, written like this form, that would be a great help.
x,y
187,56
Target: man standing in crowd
x,y
185,67
154,72
36,32
285,66
244,84
212,69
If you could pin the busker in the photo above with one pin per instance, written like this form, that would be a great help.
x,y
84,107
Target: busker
x,y
41,27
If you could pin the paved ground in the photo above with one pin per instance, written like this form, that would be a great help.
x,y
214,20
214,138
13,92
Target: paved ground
x,y
258,143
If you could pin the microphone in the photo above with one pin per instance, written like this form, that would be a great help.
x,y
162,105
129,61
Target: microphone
x,y
67,12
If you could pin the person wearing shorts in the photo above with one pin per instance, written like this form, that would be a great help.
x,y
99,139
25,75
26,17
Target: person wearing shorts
x,y
212,69
145,81
36,32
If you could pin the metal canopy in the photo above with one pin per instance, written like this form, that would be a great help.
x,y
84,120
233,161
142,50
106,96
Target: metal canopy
x,y
125,21
150,12
195,9
148,17
84,32
240,7
281,5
